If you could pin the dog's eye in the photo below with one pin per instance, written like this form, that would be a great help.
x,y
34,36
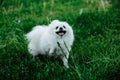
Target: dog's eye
x,y
64,26
57,27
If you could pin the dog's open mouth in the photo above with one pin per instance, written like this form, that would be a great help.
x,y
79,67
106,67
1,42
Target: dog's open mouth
x,y
61,33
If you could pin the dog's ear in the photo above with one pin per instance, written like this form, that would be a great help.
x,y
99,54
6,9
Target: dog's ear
x,y
55,21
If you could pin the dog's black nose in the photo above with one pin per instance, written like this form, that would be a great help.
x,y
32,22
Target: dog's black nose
x,y
61,28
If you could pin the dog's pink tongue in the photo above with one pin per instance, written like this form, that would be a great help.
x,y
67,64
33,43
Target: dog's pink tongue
x,y
61,33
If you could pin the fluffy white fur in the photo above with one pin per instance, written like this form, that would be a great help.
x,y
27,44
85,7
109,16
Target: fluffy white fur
x,y
53,40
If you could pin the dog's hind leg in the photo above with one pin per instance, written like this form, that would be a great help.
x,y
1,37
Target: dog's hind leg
x,y
32,50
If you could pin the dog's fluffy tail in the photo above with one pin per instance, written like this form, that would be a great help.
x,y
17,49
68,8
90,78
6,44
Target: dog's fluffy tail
x,y
35,33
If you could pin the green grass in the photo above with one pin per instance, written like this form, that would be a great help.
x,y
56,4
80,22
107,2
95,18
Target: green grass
x,y
95,54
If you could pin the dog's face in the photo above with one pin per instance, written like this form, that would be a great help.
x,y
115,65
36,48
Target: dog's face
x,y
59,28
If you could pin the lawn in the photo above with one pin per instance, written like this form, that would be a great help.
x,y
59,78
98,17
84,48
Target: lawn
x,y
95,54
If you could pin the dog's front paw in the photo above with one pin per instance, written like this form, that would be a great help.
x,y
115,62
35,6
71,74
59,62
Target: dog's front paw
x,y
66,65
51,51
65,62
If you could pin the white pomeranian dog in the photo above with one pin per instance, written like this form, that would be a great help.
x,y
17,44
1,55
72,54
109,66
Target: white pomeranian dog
x,y
55,39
